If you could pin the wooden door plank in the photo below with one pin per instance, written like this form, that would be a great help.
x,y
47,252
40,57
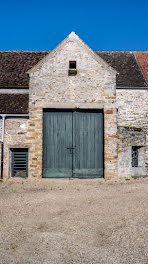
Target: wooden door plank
x,y
57,136
88,138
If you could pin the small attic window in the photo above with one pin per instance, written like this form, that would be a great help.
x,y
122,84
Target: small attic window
x,y
72,68
72,64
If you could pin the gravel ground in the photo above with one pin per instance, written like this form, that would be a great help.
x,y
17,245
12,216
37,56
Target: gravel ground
x,y
61,221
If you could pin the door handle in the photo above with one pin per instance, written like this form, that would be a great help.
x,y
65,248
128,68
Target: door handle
x,y
70,147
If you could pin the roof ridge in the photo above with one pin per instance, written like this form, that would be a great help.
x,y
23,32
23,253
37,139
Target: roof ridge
x,y
114,51
51,50
38,51
31,51
121,51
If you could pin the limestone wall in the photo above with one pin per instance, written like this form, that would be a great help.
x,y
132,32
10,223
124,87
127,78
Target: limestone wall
x,y
51,87
92,87
132,108
15,137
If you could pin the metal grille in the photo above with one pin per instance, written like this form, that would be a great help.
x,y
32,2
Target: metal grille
x,y
19,162
134,156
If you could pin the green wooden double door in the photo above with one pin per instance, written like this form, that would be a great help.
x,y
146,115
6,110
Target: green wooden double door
x,y
72,144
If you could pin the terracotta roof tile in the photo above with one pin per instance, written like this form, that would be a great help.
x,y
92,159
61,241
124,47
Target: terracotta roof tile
x,y
142,58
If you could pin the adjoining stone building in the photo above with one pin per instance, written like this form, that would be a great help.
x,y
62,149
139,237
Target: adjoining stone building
x,y
74,112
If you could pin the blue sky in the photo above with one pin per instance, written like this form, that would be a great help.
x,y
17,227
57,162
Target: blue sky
x,y
103,25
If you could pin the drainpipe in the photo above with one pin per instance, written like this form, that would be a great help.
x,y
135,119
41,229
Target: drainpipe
x,y
2,145
4,116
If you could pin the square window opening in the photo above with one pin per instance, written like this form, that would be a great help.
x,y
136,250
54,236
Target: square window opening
x,y
72,68
19,162
72,64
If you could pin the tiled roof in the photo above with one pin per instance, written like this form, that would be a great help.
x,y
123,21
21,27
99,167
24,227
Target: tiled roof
x,y
15,64
14,103
132,68
142,58
125,63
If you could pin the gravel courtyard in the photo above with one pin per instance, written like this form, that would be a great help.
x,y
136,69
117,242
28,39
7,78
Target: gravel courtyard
x,y
75,221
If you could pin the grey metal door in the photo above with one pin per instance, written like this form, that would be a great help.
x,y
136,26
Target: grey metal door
x,y
73,144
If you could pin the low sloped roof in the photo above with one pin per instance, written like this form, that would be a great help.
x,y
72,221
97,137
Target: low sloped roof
x,y
129,71
15,64
14,103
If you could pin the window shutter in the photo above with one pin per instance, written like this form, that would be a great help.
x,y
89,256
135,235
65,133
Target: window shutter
x,y
19,162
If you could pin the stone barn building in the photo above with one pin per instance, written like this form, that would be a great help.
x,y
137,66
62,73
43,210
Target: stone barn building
x,y
73,112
